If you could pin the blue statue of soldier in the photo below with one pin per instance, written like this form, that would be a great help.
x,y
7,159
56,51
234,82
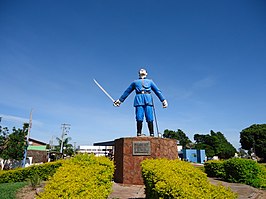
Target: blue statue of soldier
x,y
143,101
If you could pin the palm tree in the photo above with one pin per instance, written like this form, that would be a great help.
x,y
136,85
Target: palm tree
x,y
67,147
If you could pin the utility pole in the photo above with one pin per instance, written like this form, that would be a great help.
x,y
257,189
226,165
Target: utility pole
x,y
75,148
52,143
65,130
27,140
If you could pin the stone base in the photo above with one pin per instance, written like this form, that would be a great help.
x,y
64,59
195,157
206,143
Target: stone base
x,y
127,164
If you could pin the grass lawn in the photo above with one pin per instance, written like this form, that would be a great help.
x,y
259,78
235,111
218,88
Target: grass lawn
x,y
8,190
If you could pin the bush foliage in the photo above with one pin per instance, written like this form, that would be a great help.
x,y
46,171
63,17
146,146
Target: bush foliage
x,y
22,174
84,176
214,168
245,171
178,179
238,170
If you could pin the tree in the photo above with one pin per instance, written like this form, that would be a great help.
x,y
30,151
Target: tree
x,y
215,144
67,147
3,138
13,145
178,135
253,139
205,142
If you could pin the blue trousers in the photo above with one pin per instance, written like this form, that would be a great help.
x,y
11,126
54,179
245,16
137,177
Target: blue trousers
x,y
144,110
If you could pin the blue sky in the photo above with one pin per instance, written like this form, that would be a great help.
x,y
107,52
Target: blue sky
x,y
207,57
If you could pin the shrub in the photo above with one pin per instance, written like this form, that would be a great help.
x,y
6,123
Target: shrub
x,y
214,168
84,176
178,179
34,181
22,174
245,171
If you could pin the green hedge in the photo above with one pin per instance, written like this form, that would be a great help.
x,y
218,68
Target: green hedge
x,y
214,168
22,174
84,176
238,170
245,171
178,179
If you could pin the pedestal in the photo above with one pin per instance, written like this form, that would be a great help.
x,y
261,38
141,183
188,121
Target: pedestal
x,y
129,152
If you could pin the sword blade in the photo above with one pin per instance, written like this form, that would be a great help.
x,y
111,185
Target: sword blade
x,y
103,90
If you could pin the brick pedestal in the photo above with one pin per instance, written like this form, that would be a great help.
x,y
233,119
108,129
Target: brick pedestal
x,y
127,164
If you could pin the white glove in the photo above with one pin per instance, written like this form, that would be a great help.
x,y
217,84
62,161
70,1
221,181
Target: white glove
x,y
165,104
117,103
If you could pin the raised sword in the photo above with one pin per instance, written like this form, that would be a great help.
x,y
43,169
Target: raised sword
x,y
104,90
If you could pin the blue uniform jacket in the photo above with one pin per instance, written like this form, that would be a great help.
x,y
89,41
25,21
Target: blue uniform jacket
x,y
143,88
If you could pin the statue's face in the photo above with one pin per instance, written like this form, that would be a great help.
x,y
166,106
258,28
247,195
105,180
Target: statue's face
x,y
143,73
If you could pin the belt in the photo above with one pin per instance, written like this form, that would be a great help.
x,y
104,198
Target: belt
x,y
144,92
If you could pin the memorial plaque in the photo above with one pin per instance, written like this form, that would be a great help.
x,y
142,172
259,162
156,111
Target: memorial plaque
x,y
141,148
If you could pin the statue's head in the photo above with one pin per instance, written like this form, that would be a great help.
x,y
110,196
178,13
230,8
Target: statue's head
x,y
142,73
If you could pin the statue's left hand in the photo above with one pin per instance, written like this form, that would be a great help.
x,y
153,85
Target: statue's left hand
x,y
165,104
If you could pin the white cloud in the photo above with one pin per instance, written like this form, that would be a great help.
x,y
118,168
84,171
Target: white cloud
x,y
17,120
189,91
206,82
12,118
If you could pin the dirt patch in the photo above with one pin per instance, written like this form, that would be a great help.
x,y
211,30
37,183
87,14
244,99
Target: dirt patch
x,y
28,192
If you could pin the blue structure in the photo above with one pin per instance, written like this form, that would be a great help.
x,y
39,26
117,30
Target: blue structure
x,y
194,155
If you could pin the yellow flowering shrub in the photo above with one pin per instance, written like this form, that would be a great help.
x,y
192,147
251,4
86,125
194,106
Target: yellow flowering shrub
x,y
84,176
178,179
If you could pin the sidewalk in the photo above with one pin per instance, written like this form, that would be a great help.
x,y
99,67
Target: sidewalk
x,y
121,191
243,191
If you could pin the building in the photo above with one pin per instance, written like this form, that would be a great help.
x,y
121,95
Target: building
x,y
36,152
96,150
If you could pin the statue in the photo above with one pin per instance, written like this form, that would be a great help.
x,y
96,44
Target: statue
x,y
143,101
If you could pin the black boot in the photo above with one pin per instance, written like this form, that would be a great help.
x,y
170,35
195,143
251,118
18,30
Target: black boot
x,y
139,128
150,126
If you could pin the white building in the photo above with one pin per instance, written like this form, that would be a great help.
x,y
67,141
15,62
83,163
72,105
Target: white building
x,y
96,150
